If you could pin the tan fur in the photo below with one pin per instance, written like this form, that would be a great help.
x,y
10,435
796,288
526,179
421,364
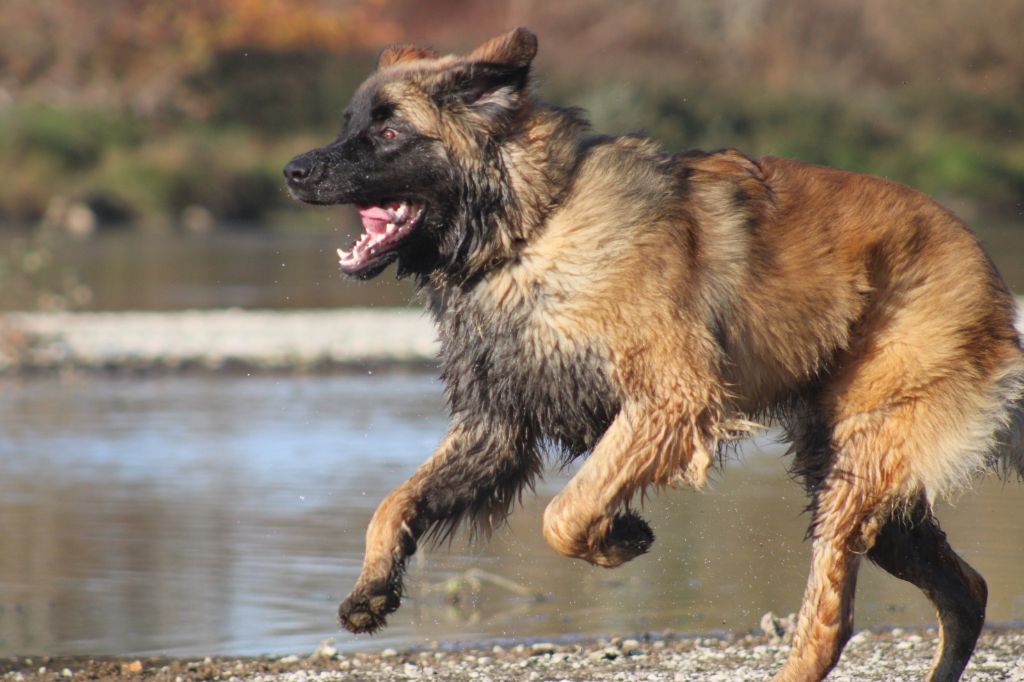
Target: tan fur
x,y
709,290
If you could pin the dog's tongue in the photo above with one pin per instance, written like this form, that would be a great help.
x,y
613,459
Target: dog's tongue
x,y
375,218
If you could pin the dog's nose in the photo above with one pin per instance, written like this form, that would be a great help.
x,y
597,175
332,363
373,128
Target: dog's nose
x,y
299,169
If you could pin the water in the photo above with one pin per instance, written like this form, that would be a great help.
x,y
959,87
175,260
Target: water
x,y
195,516
263,269
227,268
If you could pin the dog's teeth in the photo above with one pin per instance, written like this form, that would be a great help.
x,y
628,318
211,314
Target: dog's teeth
x,y
402,211
391,227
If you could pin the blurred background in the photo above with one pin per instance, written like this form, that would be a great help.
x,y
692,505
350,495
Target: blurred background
x,y
159,121
210,512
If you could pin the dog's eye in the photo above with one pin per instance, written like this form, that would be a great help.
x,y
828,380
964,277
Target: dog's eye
x,y
389,133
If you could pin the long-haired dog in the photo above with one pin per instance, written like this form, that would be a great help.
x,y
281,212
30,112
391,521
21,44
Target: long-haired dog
x,y
600,296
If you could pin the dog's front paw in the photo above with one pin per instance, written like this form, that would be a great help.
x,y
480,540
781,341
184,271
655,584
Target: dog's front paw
x,y
365,609
628,537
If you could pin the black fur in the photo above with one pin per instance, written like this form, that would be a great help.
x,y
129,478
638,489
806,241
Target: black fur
x,y
488,358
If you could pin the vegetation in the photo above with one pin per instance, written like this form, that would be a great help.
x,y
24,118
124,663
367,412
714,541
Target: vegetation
x,y
132,170
145,111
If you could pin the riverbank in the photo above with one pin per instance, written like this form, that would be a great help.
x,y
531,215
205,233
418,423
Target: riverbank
x,y
216,340
891,655
347,339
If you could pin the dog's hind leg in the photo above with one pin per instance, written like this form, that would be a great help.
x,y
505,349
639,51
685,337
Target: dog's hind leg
x,y
845,525
912,547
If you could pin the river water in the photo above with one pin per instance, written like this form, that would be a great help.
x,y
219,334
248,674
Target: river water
x,y
216,515
260,269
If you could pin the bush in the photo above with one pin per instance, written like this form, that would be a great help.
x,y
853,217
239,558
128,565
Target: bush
x,y
73,139
948,146
951,146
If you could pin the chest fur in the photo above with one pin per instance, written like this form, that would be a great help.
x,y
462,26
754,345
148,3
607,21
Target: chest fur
x,y
515,357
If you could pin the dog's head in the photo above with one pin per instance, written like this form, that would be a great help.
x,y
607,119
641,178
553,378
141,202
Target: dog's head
x,y
417,154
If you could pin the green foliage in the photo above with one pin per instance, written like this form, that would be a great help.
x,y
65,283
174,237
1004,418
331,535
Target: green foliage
x,y
149,171
71,138
143,172
277,93
945,145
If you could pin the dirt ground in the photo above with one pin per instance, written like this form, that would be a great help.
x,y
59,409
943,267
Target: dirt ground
x,y
891,655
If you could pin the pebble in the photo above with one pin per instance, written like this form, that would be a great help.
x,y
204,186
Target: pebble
x,y
999,657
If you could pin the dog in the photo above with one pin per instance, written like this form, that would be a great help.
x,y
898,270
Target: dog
x,y
599,296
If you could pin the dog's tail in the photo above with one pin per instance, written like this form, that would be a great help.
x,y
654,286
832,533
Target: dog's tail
x,y
1013,451
1010,448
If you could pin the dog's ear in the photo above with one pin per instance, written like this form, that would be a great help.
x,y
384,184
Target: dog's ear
x,y
517,48
395,54
493,76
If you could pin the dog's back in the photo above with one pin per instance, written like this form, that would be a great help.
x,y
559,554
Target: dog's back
x,y
884,303
847,297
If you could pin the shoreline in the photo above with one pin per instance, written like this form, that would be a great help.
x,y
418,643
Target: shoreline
x,y
891,654
232,341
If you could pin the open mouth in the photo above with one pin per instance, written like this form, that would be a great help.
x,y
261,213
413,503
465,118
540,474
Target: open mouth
x,y
385,227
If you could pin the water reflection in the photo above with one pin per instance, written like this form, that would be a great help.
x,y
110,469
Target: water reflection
x,y
201,516
260,269
247,269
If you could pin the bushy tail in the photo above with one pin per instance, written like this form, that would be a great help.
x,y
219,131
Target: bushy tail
x,y
1014,450
1010,450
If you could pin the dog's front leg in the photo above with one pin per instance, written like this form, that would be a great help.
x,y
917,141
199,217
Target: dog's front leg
x,y
652,443
477,472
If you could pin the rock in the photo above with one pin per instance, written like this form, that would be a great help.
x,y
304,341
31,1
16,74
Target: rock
x,y
325,650
80,220
778,629
195,218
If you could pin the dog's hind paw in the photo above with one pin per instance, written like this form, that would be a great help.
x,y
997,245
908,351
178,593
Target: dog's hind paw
x,y
628,537
365,609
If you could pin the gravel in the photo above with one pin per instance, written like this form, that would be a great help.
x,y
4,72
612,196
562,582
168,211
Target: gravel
x,y
892,655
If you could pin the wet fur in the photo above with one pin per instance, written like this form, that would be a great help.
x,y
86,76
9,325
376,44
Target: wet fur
x,y
600,296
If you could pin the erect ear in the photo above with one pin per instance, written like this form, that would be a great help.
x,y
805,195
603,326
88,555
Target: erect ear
x,y
517,48
483,84
395,54
495,73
